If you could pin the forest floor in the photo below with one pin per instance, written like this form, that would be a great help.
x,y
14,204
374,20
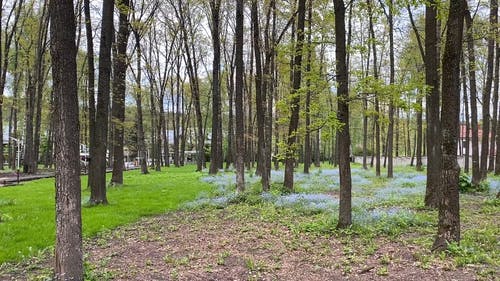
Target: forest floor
x,y
279,236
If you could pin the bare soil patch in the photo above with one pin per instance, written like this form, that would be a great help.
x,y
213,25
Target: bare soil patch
x,y
213,245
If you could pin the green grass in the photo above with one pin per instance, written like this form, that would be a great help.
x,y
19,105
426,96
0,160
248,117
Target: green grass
x,y
27,219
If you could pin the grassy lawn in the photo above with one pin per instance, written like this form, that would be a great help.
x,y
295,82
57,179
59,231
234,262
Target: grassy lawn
x,y
27,219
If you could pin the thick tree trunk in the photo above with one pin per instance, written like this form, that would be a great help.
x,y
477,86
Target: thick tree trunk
x,y
345,214
118,104
98,156
432,107
449,209
68,252
216,142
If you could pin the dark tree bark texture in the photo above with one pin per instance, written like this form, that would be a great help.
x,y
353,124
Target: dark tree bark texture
x,y
68,253
449,208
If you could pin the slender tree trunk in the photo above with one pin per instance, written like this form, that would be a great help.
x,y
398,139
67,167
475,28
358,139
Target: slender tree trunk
x,y
476,173
467,117
295,100
118,103
240,151
260,100
485,141
90,86
449,209
191,65
432,106
68,252
419,135
375,75
141,144
496,105
390,129
307,138
98,158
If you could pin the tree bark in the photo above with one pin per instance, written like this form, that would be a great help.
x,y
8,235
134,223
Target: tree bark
x,y
118,104
295,97
496,105
98,158
449,209
216,142
485,140
345,214
476,173
68,252
432,106
240,144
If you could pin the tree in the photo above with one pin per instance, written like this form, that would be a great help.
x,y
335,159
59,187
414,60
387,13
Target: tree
x,y
449,209
90,82
99,147
69,255
118,104
485,140
216,144
432,106
240,130
476,172
260,99
345,215
295,96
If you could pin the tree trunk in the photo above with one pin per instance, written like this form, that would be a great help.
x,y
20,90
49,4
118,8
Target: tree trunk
x,y
390,129
98,158
375,75
216,142
260,100
467,117
419,135
476,173
295,97
191,65
432,106
68,252
485,141
90,86
240,130
449,210
496,105
141,144
118,104
345,214
307,138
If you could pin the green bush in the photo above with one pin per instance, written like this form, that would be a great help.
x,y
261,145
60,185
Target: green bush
x,y
466,186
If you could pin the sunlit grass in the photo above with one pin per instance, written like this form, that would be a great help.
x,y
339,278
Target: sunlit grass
x,y
28,220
